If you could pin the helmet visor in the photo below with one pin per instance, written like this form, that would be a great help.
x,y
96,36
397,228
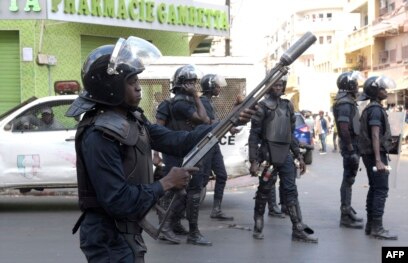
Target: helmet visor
x,y
134,52
385,83
358,77
220,81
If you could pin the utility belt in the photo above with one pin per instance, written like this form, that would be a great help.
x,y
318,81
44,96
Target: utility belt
x,y
123,226
128,227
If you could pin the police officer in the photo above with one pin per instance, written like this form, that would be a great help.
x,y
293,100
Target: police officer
x,y
184,112
272,127
211,85
347,121
374,143
113,145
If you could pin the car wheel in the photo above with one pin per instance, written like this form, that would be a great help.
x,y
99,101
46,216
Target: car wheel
x,y
308,157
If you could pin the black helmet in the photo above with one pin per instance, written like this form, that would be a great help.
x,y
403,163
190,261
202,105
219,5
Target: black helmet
x,y
373,85
349,81
184,74
209,81
108,67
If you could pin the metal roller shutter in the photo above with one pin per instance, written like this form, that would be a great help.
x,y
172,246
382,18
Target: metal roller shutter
x,y
10,92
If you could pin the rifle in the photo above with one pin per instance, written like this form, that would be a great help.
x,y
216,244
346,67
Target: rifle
x,y
232,119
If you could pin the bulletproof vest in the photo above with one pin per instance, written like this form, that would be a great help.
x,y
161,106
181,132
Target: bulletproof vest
x,y
354,126
365,143
133,140
277,129
178,123
277,122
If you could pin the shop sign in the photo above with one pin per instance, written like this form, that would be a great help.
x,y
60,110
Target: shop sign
x,y
168,15
23,9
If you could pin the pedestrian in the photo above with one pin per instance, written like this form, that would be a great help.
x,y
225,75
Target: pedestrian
x,y
346,117
322,129
375,142
310,123
113,146
275,146
211,85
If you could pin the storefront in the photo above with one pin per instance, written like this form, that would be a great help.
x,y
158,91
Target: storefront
x,y
43,41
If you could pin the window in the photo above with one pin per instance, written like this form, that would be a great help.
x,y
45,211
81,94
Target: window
x,y
383,57
329,16
321,40
393,55
404,52
329,39
45,117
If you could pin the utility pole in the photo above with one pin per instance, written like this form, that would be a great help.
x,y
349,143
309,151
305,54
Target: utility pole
x,y
227,39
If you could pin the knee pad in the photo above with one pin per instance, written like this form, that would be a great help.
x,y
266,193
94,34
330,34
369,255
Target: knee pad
x,y
350,180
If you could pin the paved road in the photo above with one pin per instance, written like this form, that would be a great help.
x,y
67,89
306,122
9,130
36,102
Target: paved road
x,y
36,228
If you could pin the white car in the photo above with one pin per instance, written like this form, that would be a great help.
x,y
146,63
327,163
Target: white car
x,y
36,155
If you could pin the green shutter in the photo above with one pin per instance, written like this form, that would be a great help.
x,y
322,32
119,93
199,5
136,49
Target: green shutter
x,y
9,70
89,43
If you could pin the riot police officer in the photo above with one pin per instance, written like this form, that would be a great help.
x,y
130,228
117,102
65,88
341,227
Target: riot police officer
x,y
211,85
374,143
184,112
113,146
272,128
347,121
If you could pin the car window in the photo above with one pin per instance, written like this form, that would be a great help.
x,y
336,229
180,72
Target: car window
x,y
45,117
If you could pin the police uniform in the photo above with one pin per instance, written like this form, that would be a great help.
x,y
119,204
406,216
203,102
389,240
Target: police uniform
x,y
272,128
375,119
345,111
118,191
214,162
375,115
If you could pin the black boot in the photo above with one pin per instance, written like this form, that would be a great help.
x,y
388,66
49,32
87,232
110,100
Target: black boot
x,y
378,231
300,232
347,218
194,236
178,228
260,204
216,212
353,215
167,232
273,206
369,222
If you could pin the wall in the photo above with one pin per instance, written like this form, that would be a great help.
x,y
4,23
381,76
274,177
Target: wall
x,y
63,40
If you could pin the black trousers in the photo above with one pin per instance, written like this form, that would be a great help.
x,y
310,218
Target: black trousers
x,y
378,186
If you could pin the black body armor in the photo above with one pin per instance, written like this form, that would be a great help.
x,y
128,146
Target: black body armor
x,y
182,124
277,130
365,143
135,149
354,126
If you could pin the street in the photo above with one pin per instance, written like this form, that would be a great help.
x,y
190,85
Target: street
x,y
37,227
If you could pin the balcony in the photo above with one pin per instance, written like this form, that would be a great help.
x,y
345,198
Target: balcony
x,y
390,25
358,39
356,6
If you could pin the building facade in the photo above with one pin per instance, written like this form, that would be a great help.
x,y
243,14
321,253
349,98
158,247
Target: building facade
x,y
44,41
